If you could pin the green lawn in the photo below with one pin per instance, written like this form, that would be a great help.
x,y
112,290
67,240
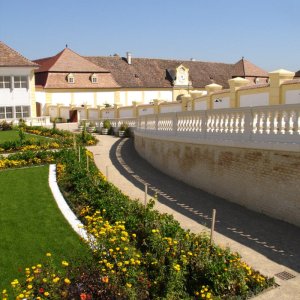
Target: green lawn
x,y
31,224
11,135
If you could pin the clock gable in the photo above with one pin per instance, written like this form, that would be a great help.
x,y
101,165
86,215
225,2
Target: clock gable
x,y
182,76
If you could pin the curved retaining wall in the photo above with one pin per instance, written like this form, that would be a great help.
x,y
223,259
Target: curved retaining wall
x,y
267,181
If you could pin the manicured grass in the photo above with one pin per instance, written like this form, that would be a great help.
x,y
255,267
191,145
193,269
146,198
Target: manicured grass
x,y
12,135
31,224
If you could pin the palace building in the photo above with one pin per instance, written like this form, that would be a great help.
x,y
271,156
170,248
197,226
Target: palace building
x,y
68,84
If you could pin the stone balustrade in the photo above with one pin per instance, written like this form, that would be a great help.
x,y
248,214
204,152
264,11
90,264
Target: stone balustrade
x,y
278,124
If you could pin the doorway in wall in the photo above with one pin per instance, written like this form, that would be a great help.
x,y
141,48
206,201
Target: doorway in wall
x,y
38,109
73,116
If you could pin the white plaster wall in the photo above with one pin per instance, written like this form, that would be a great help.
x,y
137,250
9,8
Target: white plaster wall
x,y
225,103
126,113
53,112
81,98
93,114
150,95
145,111
292,97
6,97
166,95
15,71
17,96
108,114
105,98
82,113
134,96
61,98
201,105
254,100
40,97
65,113
170,108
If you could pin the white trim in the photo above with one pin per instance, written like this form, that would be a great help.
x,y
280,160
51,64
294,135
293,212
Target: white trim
x,y
64,208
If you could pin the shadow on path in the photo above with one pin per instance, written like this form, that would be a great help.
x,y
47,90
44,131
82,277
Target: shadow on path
x,y
277,240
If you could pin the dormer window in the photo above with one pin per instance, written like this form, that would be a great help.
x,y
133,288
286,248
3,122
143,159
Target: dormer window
x,y
94,78
71,78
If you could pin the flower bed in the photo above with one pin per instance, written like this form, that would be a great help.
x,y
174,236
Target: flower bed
x,y
57,139
27,158
139,253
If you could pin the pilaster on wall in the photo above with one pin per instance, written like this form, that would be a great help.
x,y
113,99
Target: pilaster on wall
x,y
184,102
276,79
116,108
32,93
117,97
235,84
211,88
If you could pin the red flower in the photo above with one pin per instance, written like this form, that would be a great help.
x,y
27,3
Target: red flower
x,y
82,296
41,290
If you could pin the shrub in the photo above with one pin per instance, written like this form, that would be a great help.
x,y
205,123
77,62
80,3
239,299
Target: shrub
x,y
4,125
106,124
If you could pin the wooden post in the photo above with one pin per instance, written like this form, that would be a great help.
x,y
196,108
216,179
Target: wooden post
x,y
74,142
146,194
87,163
79,153
213,220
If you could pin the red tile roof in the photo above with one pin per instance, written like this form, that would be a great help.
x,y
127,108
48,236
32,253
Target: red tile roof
x,y
67,61
244,68
155,73
11,58
81,80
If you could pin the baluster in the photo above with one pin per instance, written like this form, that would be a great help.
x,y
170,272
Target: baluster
x,y
292,121
273,122
221,123
268,117
237,123
231,123
218,123
226,125
284,124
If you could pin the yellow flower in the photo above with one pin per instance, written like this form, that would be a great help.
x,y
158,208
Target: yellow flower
x,y
129,285
56,279
64,263
48,254
29,286
67,281
46,294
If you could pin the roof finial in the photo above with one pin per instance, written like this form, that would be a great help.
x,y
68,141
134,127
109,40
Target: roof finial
x,y
66,45
242,57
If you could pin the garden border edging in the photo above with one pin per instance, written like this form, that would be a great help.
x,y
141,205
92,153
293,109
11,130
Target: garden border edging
x,y
64,207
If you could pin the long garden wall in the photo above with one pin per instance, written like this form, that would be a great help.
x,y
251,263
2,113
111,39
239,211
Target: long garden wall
x,y
253,162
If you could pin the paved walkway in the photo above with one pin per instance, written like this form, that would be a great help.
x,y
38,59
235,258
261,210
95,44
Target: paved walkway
x,y
268,245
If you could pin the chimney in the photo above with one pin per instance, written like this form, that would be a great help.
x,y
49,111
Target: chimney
x,y
128,57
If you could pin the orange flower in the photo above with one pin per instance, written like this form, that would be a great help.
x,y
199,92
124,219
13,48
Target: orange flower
x,y
105,279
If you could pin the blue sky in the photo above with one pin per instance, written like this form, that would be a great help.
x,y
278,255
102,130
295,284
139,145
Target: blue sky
x,y
263,31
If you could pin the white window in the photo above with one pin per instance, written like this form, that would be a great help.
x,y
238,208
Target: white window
x,y
20,82
6,112
22,112
4,82
71,78
94,78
